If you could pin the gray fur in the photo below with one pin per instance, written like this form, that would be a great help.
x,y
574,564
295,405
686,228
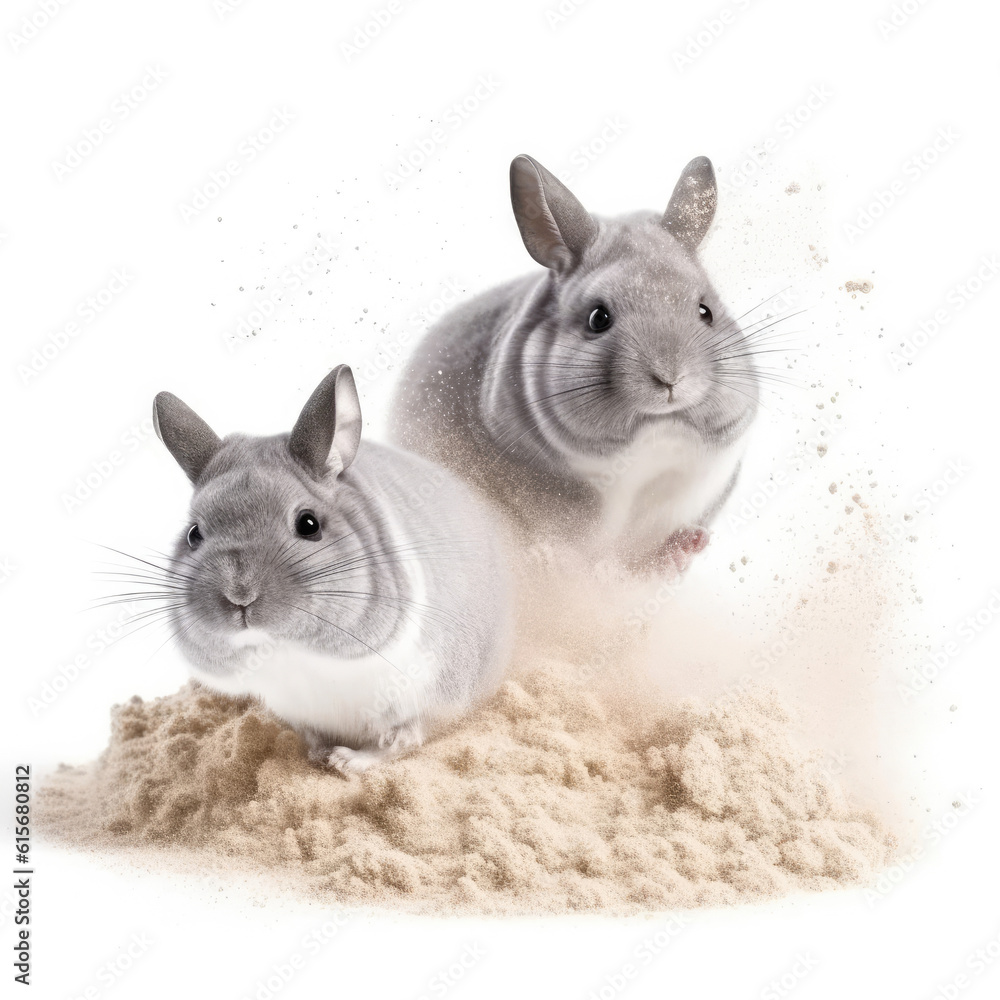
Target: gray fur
x,y
382,514
510,390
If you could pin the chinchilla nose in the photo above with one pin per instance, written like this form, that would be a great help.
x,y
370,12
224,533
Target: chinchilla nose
x,y
664,380
239,597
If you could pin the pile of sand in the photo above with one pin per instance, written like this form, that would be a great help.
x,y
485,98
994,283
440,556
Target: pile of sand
x,y
548,798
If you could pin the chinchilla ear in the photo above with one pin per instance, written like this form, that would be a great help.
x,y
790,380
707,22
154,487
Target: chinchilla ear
x,y
187,437
327,434
555,227
692,205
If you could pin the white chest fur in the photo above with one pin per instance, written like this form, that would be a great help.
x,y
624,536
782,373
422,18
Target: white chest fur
x,y
665,481
350,699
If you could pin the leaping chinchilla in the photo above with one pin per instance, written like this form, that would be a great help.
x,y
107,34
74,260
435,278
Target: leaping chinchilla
x,y
606,399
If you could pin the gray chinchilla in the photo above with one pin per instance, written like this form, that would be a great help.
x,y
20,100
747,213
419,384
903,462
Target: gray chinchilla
x,y
605,400
359,591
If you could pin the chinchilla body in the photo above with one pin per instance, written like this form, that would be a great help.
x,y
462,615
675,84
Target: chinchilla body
x,y
606,398
358,590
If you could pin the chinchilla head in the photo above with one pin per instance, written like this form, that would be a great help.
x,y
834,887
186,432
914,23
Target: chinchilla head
x,y
629,329
280,540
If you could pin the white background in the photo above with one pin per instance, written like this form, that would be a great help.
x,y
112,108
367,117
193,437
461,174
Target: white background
x,y
552,85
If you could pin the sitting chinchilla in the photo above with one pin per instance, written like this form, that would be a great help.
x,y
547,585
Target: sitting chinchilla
x,y
604,400
357,590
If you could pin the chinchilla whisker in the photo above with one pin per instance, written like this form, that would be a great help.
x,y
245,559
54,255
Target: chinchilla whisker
x,y
163,570
736,380
147,619
362,562
593,387
377,521
779,318
281,558
418,544
322,548
110,602
378,556
584,398
173,636
758,371
340,628
147,587
139,573
763,302
776,338
753,354
540,363
130,574
754,334
750,334
441,616
164,612
708,332
749,395
576,388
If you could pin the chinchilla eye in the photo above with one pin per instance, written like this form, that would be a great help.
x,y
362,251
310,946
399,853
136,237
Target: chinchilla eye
x,y
600,320
705,313
307,525
194,536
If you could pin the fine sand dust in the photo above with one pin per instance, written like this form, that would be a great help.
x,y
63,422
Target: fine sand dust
x,y
593,780
572,789
543,800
